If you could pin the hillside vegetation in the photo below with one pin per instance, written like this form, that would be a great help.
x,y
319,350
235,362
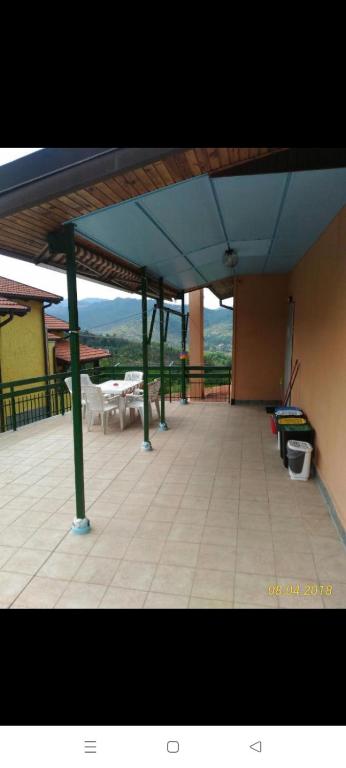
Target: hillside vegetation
x,y
117,324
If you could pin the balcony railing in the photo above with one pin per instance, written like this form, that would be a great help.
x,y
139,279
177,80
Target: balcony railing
x,y
28,400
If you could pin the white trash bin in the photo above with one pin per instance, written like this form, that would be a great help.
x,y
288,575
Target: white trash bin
x,y
299,459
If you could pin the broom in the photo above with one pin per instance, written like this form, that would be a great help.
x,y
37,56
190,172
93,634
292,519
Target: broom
x,y
271,408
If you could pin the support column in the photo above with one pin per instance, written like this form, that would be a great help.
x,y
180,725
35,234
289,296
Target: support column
x,y
183,399
163,424
64,242
196,340
146,445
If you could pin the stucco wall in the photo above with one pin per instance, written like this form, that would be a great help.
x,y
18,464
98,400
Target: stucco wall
x,y
318,287
22,349
259,337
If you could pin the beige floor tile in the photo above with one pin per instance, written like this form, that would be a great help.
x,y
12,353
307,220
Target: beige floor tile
x,y
26,561
162,514
166,500
79,595
281,509
226,537
172,579
21,503
213,584
320,526
195,502
6,553
40,593
133,575
331,568
110,545
44,539
248,507
150,529
191,516
215,557
47,505
289,524
134,514
61,566
8,516
75,544
291,542
255,561
327,545
11,584
295,564
122,527
254,523
200,602
253,589
59,521
116,597
249,539
15,536
104,508
179,553
183,532
145,550
97,570
311,510
33,518
226,519
222,493
253,605
157,600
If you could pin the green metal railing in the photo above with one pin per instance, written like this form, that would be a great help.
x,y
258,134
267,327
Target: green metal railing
x,y
28,400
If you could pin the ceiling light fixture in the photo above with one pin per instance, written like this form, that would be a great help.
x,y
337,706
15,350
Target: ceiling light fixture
x,y
230,258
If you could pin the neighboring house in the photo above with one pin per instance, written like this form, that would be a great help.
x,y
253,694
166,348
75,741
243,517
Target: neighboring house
x,y
59,354
23,344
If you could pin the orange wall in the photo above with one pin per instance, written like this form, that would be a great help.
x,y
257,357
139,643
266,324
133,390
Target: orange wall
x,y
259,337
318,287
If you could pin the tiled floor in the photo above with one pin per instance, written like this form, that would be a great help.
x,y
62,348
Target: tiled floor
x,y
209,519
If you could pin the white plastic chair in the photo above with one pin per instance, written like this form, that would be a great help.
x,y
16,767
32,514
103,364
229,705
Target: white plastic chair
x,y
135,402
101,406
133,376
68,383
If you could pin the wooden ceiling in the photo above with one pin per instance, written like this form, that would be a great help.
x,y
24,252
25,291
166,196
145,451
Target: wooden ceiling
x,y
24,234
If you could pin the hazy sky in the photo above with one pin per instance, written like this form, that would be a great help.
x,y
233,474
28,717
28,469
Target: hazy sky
x,y
50,280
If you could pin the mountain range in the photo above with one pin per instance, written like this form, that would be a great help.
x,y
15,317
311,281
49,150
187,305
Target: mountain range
x,y
122,318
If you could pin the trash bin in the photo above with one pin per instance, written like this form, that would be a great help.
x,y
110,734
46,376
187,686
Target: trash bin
x,y
294,432
288,410
299,459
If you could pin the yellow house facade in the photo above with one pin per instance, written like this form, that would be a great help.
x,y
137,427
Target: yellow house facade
x,y
23,341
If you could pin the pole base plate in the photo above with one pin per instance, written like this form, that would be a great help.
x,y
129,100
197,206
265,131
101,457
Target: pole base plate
x,y
183,401
163,426
81,525
146,446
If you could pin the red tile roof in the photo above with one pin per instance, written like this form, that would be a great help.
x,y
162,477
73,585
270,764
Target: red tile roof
x,y
10,307
54,323
20,290
62,352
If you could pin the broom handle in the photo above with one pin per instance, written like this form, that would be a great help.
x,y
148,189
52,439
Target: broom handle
x,y
292,382
289,383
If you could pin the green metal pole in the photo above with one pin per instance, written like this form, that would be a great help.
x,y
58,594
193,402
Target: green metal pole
x,y
146,445
81,524
183,399
163,424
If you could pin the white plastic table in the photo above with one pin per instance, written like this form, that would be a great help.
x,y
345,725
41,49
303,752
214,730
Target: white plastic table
x,y
122,387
